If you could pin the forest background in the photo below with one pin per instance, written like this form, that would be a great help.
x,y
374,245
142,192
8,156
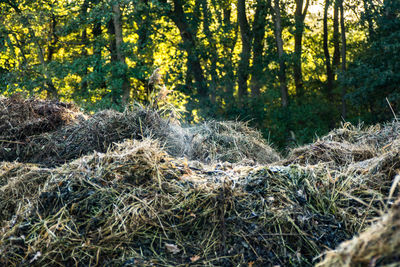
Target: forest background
x,y
292,68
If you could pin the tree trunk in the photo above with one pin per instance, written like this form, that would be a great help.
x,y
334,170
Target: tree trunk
x,y
51,89
229,44
53,39
299,18
213,56
243,68
189,43
145,46
343,31
120,55
85,41
282,63
258,47
329,73
98,66
336,37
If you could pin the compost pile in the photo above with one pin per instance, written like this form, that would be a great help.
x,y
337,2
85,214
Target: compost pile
x,y
22,119
56,139
138,189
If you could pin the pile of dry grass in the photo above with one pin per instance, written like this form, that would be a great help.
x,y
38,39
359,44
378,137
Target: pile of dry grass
x,y
376,136
383,168
379,245
137,205
336,154
127,206
19,186
165,196
207,142
20,119
97,133
229,141
348,145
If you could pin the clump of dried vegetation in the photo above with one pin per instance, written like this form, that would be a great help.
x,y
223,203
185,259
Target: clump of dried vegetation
x,y
21,119
62,142
378,245
19,184
134,188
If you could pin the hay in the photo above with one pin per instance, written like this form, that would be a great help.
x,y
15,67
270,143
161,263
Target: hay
x,y
378,173
336,154
348,145
20,119
376,136
136,188
19,185
121,207
379,245
97,133
229,141
208,142
136,204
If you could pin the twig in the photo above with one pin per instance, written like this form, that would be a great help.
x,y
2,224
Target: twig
x,y
223,227
14,142
394,114
396,180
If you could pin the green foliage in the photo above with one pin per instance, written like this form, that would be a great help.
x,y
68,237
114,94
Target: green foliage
x,y
69,50
374,74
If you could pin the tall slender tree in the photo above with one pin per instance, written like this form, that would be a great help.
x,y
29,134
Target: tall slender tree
x,y
178,16
212,56
85,41
336,37
299,17
281,54
343,55
229,40
258,32
329,72
243,68
114,27
119,42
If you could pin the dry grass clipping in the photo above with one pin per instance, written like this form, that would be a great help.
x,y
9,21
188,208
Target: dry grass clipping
x,y
21,119
135,204
208,142
19,185
337,154
229,141
378,245
376,136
